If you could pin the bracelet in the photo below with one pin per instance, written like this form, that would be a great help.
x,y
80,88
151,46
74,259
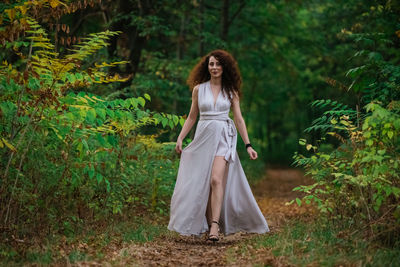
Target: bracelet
x,y
248,145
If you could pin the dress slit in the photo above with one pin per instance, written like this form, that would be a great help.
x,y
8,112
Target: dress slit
x,y
224,182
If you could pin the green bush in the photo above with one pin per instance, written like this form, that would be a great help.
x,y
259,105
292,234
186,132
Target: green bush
x,y
359,179
69,158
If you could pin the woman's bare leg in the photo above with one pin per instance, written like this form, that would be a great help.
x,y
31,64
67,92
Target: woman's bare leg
x,y
218,182
208,211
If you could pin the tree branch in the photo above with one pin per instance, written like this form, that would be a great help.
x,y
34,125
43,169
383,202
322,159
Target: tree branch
x,y
242,5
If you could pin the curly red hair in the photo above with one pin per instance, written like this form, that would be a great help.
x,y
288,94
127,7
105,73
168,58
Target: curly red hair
x,y
231,79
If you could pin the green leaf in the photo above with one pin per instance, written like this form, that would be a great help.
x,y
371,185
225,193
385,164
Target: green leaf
x,y
390,134
110,113
354,72
367,134
108,187
71,77
101,140
85,144
176,119
91,172
302,141
33,83
396,124
164,121
101,113
79,147
91,115
181,121
134,102
147,96
99,177
141,101
381,151
112,140
79,76
298,201
375,56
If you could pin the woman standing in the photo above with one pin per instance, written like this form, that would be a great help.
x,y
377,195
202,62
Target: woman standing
x,y
211,191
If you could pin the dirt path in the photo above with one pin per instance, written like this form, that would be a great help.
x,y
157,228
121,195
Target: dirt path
x,y
272,192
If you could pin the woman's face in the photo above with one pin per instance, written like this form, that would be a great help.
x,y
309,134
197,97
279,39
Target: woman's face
x,y
214,67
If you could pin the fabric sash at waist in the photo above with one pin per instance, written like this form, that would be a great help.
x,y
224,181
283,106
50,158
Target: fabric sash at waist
x,y
230,134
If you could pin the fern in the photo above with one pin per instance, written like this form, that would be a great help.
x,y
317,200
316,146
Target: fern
x,y
52,69
336,110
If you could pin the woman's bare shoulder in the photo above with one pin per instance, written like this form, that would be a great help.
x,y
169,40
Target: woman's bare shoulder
x,y
195,89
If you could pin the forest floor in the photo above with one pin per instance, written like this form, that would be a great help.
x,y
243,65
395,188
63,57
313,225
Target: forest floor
x,y
170,249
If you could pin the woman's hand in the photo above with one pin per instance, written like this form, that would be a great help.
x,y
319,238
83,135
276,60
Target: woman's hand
x,y
252,153
178,147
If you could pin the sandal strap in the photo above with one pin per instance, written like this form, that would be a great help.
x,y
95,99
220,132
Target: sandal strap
x,y
215,222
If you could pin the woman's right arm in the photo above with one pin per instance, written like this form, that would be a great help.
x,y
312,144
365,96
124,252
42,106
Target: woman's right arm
x,y
190,121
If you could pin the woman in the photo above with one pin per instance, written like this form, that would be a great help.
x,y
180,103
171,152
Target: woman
x,y
209,165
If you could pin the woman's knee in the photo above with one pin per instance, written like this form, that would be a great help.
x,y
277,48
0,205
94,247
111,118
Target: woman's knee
x,y
216,181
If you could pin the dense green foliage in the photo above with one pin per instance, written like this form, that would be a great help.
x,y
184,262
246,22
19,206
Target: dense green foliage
x,y
69,157
358,179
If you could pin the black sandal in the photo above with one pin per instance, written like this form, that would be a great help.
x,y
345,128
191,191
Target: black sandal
x,y
214,238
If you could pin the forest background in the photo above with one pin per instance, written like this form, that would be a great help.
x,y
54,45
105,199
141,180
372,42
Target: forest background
x,y
93,95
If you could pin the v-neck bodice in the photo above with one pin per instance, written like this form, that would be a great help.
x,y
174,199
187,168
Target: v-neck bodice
x,y
206,101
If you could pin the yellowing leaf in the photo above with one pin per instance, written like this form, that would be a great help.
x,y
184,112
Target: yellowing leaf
x,y
82,99
344,122
54,3
289,203
10,13
309,146
88,97
80,107
98,99
10,146
22,8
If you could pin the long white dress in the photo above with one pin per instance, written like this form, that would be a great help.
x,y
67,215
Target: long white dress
x,y
239,211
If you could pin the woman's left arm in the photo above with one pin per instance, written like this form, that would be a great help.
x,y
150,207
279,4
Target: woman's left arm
x,y
241,126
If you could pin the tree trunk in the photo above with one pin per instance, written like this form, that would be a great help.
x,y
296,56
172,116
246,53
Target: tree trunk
x,y
225,20
201,29
136,43
181,38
